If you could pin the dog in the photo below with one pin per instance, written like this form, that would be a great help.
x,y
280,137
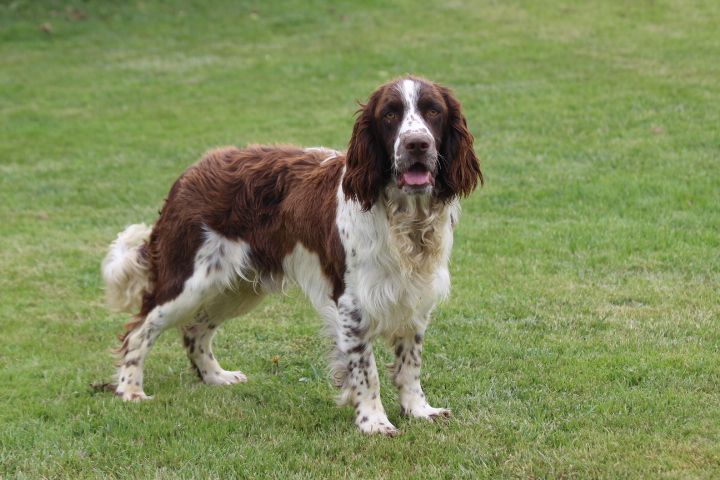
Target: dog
x,y
366,235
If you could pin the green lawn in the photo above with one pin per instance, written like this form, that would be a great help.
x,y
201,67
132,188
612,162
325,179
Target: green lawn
x,y
581,338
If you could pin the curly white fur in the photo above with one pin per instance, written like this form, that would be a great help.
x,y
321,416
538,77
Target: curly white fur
x,y
125,273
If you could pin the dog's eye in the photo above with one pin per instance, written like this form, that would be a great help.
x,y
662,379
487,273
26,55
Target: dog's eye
x,y
433,112
390,116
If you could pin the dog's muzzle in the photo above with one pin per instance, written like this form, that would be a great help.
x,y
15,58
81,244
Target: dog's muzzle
x,y
416,163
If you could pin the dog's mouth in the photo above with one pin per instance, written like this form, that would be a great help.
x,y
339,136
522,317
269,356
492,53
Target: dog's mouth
x,y
416,177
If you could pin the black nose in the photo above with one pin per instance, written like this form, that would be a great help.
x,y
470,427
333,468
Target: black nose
x,y
416,144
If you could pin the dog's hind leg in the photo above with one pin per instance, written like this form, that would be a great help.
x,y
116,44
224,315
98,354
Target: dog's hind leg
x,y
198,334
138,342
142,334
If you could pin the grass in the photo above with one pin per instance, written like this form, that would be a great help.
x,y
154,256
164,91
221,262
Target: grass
x,y
581,339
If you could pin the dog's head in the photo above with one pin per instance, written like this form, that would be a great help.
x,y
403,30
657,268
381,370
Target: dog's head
x,y
411,135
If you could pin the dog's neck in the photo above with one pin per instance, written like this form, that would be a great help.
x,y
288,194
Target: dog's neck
x,y
416,224
419,209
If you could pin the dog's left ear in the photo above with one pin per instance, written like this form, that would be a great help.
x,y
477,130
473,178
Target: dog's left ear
x,y
459,167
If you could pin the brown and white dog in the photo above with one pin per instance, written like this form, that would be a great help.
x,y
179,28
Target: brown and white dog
x,y
366,235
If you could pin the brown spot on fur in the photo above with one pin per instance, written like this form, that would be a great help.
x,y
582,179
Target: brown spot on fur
x,y
189,343
197,370
358,348
354,332
414,356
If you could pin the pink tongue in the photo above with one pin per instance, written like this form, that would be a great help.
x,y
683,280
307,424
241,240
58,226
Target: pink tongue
x,y
416,178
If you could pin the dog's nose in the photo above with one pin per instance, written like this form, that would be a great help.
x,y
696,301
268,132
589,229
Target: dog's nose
x,y
416,143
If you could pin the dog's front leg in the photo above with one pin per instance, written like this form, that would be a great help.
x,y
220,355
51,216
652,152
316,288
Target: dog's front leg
x,y
406,377
356,372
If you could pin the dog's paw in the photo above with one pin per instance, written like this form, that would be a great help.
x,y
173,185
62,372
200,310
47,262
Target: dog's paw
x,y
133,395
376,424
426,411
224,377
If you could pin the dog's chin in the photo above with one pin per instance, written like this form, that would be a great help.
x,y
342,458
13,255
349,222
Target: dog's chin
x,y
416,190
416,180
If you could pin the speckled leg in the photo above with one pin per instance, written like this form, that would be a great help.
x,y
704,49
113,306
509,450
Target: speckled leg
x,y
140,340
356,372
198,334
406,377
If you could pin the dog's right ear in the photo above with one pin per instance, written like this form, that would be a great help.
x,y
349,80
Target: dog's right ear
x,y
367,167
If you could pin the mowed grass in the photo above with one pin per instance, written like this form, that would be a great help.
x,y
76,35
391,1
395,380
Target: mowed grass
x,y
581,337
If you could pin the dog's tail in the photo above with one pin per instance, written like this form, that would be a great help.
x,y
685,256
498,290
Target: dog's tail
x,y
126,269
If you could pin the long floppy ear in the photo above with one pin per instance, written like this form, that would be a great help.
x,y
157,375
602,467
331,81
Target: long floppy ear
x,y
459,167
367,165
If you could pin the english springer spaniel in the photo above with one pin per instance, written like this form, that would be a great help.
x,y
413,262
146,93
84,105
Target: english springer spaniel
x,y
366,234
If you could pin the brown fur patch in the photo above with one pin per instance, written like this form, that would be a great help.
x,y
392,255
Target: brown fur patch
x,y
270,197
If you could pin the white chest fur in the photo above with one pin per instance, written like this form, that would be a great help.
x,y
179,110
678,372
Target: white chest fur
x,y
397,258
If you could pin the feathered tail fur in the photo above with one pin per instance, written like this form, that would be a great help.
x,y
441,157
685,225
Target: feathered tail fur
x,y
126,271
